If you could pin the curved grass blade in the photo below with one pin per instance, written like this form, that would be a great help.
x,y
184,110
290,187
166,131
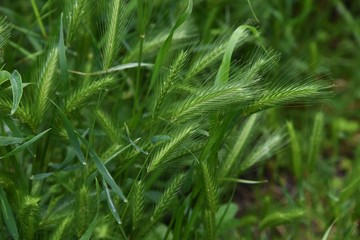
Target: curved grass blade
x,y
244,181
4,141
223,73
72,135
8,215
17,90
252,11
114,69
327,233
111,204
103,171
25,145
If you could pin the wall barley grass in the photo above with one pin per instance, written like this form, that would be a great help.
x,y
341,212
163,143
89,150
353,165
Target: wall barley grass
x,y
161,119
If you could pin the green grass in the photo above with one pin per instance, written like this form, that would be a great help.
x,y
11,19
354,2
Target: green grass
x,y
164,120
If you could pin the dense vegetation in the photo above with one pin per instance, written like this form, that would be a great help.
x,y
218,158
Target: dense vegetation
x,y
179,119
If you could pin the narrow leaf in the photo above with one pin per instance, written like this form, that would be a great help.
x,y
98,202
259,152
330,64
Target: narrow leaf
x,y
295,149
316,138
25,145
4,141
17,90
223,73
245,181
71,134
104,172
117,68
62,50
41,176
327,233
8,215
111,204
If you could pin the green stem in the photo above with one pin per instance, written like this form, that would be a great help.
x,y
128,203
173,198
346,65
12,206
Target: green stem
x,y
38,18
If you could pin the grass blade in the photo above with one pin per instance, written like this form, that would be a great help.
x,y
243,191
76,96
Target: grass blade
x,y
116,68
103,171
327,233
25,145
8,215
4,141
223,73
295,149
244,181
41,176
316,137
111,204
62,51
71,134
17,90
38,18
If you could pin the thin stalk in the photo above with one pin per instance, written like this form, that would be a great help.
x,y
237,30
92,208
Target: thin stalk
x,y
138,77
38,18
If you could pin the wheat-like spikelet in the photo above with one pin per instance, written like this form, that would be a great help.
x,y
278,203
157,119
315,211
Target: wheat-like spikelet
x,y
166,85
62,229
80,96
178,136
109,126
209,224
168,198
4,31
116,27
28,214
285,91
210,187
45,84
206,60
76,11
212,99
264,149
83,207
260,65
137,203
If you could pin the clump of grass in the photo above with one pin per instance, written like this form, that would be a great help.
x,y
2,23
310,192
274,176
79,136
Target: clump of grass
x,y
179,112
